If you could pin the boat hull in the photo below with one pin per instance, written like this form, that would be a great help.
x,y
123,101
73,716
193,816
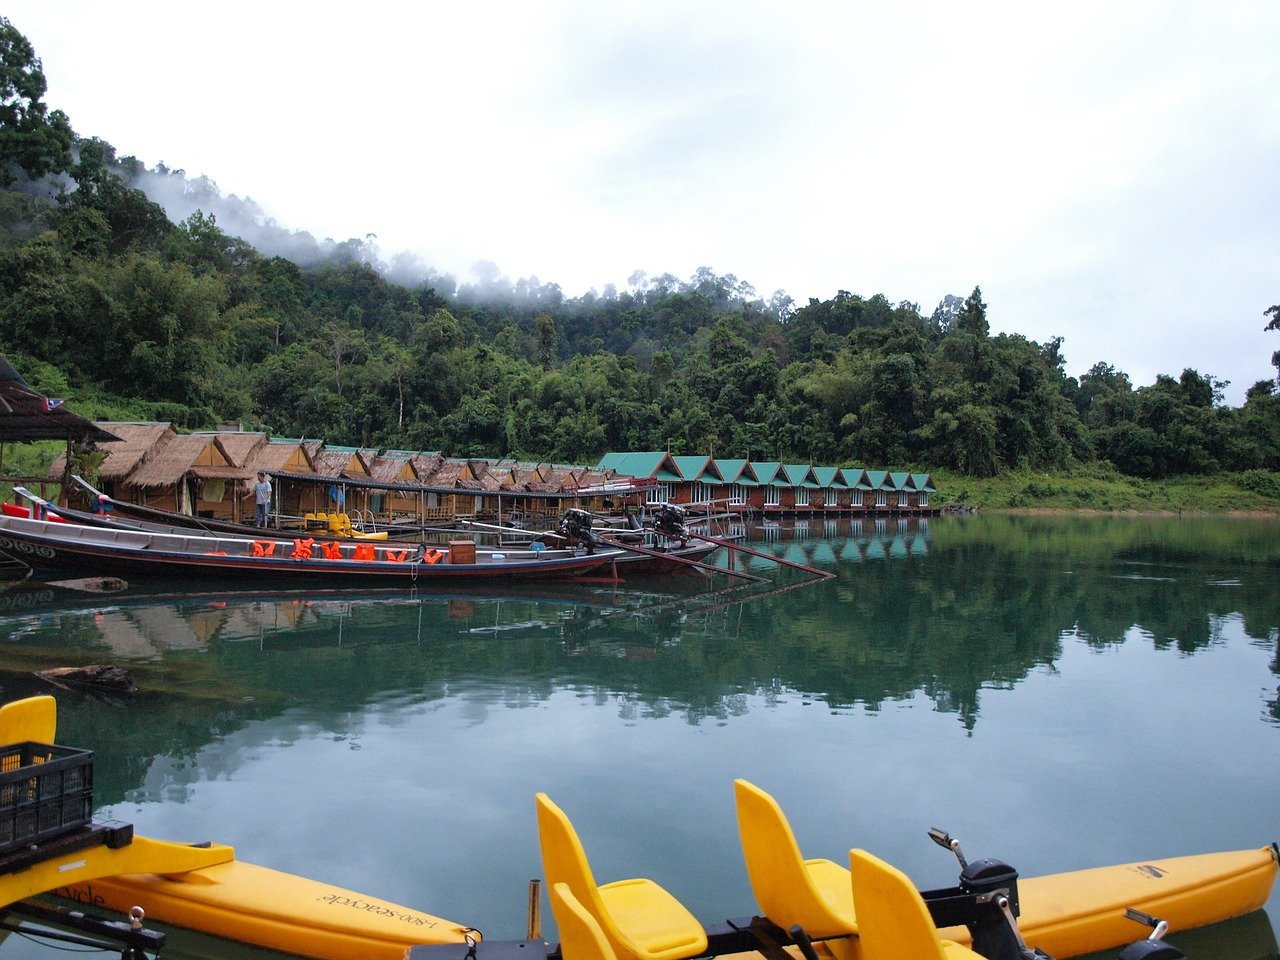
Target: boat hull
x,y
1070,914
268,908
129,552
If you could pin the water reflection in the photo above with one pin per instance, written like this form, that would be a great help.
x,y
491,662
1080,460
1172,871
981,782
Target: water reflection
x,y
1032,679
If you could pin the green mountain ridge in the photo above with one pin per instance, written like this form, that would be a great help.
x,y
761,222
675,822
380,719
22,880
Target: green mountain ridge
x,y
106,301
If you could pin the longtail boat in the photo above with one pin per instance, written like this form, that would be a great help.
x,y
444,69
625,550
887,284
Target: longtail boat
x,y
123,552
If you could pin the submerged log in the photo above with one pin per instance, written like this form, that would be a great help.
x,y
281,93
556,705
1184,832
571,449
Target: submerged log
x,y
101,677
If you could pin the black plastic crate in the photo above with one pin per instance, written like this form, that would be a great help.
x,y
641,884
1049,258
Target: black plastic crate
x,y
45,792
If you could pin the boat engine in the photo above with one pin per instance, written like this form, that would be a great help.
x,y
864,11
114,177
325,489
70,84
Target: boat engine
x,y
575,527
986,901
669,520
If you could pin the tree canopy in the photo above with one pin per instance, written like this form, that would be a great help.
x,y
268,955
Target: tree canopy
x,y
104,298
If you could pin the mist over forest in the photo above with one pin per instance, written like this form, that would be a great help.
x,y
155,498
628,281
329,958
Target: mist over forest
x,y
142,293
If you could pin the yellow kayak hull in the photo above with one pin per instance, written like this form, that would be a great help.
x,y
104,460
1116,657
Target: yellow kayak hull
x,y
1069,914
271,909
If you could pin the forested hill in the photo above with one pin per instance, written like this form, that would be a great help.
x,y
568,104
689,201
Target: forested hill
x,y
107,301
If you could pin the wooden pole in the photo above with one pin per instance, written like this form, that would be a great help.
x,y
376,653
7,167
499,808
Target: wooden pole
x,y
619,545
825,574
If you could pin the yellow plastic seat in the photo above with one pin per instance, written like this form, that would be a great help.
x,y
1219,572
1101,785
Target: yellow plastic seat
x,y
640,920
789,889
580,936
893,921
35,718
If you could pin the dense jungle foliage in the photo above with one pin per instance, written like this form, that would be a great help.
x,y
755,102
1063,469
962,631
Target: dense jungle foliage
x,y
106,301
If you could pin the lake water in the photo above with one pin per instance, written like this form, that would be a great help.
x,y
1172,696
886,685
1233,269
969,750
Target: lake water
x,y
1058,692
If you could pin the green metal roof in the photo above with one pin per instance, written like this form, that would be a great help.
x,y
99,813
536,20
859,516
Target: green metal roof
x,y
657,464
800,475
900,481
765,472
924,482
876,479
692,468
853,476
731,470
828,477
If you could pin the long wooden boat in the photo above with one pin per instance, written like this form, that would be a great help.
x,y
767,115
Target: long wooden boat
x,y
675,559
124,514
101,550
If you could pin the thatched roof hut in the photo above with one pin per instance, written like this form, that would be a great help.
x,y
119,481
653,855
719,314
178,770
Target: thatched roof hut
x,y
241,445
197,455
339,462
135,444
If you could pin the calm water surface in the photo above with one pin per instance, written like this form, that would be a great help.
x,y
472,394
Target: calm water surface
x,y
1059,692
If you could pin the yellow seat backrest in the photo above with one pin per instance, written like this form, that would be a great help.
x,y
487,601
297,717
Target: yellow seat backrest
x,y
788,888
580,935
893,921
35,718
640,920
565,862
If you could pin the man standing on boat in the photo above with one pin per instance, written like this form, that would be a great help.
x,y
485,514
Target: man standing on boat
x,y
261,494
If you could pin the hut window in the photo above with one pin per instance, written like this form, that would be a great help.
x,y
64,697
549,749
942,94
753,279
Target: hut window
x,y
659,494
881,498
772,496
831,499
802,497
737,493
857,498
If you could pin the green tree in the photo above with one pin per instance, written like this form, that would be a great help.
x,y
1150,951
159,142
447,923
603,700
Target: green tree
x,y
33,141
545,330
1274,324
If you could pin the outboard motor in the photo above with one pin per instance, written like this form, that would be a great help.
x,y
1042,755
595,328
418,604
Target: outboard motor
x,y
669,520
575,526
991,887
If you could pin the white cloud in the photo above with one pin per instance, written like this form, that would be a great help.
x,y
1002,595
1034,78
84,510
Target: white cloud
x,y
1104,173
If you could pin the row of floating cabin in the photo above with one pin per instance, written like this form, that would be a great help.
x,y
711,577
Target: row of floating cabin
x,y
706,484
210,474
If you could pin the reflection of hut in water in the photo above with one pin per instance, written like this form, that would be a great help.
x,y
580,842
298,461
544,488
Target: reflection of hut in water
x,y
251,621
144,632
823,554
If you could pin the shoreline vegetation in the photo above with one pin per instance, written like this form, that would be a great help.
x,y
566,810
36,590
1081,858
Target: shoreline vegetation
x,y
1093,488
127,309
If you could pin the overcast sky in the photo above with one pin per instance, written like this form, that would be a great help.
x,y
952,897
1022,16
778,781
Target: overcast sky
x,y
1108,173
